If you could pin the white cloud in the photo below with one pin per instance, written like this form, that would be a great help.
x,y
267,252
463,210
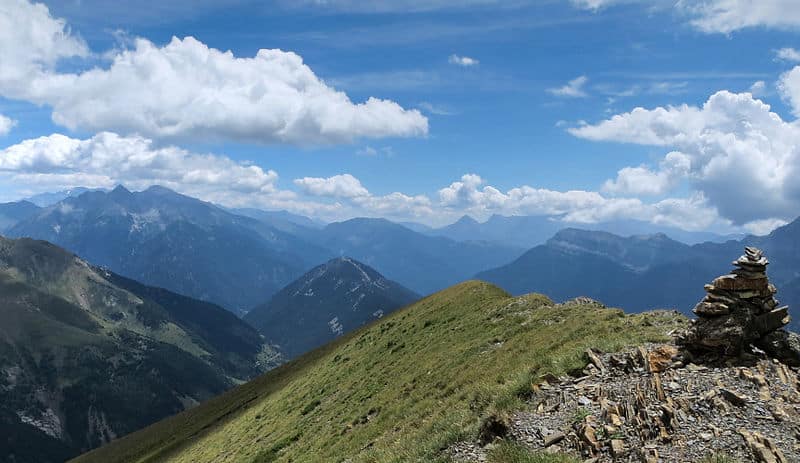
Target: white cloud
x,y
338,186
107,159
763,227
741,156
718,16
789,88
6,124
573,88
788,54
725,16
187,90
435,109
464,61
31,43
643,181
369,151
471,195
759,88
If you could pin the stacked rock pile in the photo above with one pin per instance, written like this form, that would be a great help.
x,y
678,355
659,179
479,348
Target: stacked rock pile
x,y
738,310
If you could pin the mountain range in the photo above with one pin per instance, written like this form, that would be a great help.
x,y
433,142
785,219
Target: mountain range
x,y
530,231
240,258
644,272
328,301
87,355
165,239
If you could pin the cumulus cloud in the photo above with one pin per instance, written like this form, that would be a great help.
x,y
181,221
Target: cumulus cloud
x,y
573,88
186,89
338,186
6,124
643,181
471,194
464,61
31,44
108,159
349,188
734,150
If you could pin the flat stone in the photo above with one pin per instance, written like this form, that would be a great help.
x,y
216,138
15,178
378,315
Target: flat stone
x,y
711,309
734,283
554,438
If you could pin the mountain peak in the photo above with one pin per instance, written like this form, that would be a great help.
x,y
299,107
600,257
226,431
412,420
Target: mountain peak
x,y
160,190
466,220
337,296
120,190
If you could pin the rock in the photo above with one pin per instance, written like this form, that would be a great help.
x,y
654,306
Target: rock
x,y
595,360
735,283
660,358
711,309
554,438
782,345
618,448
772,320
649,455
733,397
764,450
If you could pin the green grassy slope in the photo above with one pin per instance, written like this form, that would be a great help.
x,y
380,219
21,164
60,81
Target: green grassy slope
x,y
398,390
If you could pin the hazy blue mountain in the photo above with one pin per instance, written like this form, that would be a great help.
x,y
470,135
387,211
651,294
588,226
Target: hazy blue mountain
x,y
530,231
422,263
50,198
87,356
188,246
282,220
12,213
644,272
326,302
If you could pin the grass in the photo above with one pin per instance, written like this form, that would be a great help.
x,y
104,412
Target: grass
x,y
399,390
507,452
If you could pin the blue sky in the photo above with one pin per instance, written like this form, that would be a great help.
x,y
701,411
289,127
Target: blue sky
x,y
481,107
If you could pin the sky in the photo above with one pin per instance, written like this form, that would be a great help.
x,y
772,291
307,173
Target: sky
x,y
678,113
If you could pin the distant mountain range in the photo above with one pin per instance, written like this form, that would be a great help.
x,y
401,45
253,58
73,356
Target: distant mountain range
x,y
13,213
644,272
425,264
325,303
239,258
176,242
87,355
48,199
530,231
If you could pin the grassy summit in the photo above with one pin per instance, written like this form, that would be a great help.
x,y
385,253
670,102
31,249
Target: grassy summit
x,y
398,390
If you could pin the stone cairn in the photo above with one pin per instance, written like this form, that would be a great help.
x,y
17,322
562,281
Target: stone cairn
x,y
739,310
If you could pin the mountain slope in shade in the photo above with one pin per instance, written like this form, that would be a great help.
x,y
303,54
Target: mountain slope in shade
x,y
326,302
13,213
422,263
165,239
87,356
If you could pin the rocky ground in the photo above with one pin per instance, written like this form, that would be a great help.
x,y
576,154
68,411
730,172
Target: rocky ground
x,y
658,404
